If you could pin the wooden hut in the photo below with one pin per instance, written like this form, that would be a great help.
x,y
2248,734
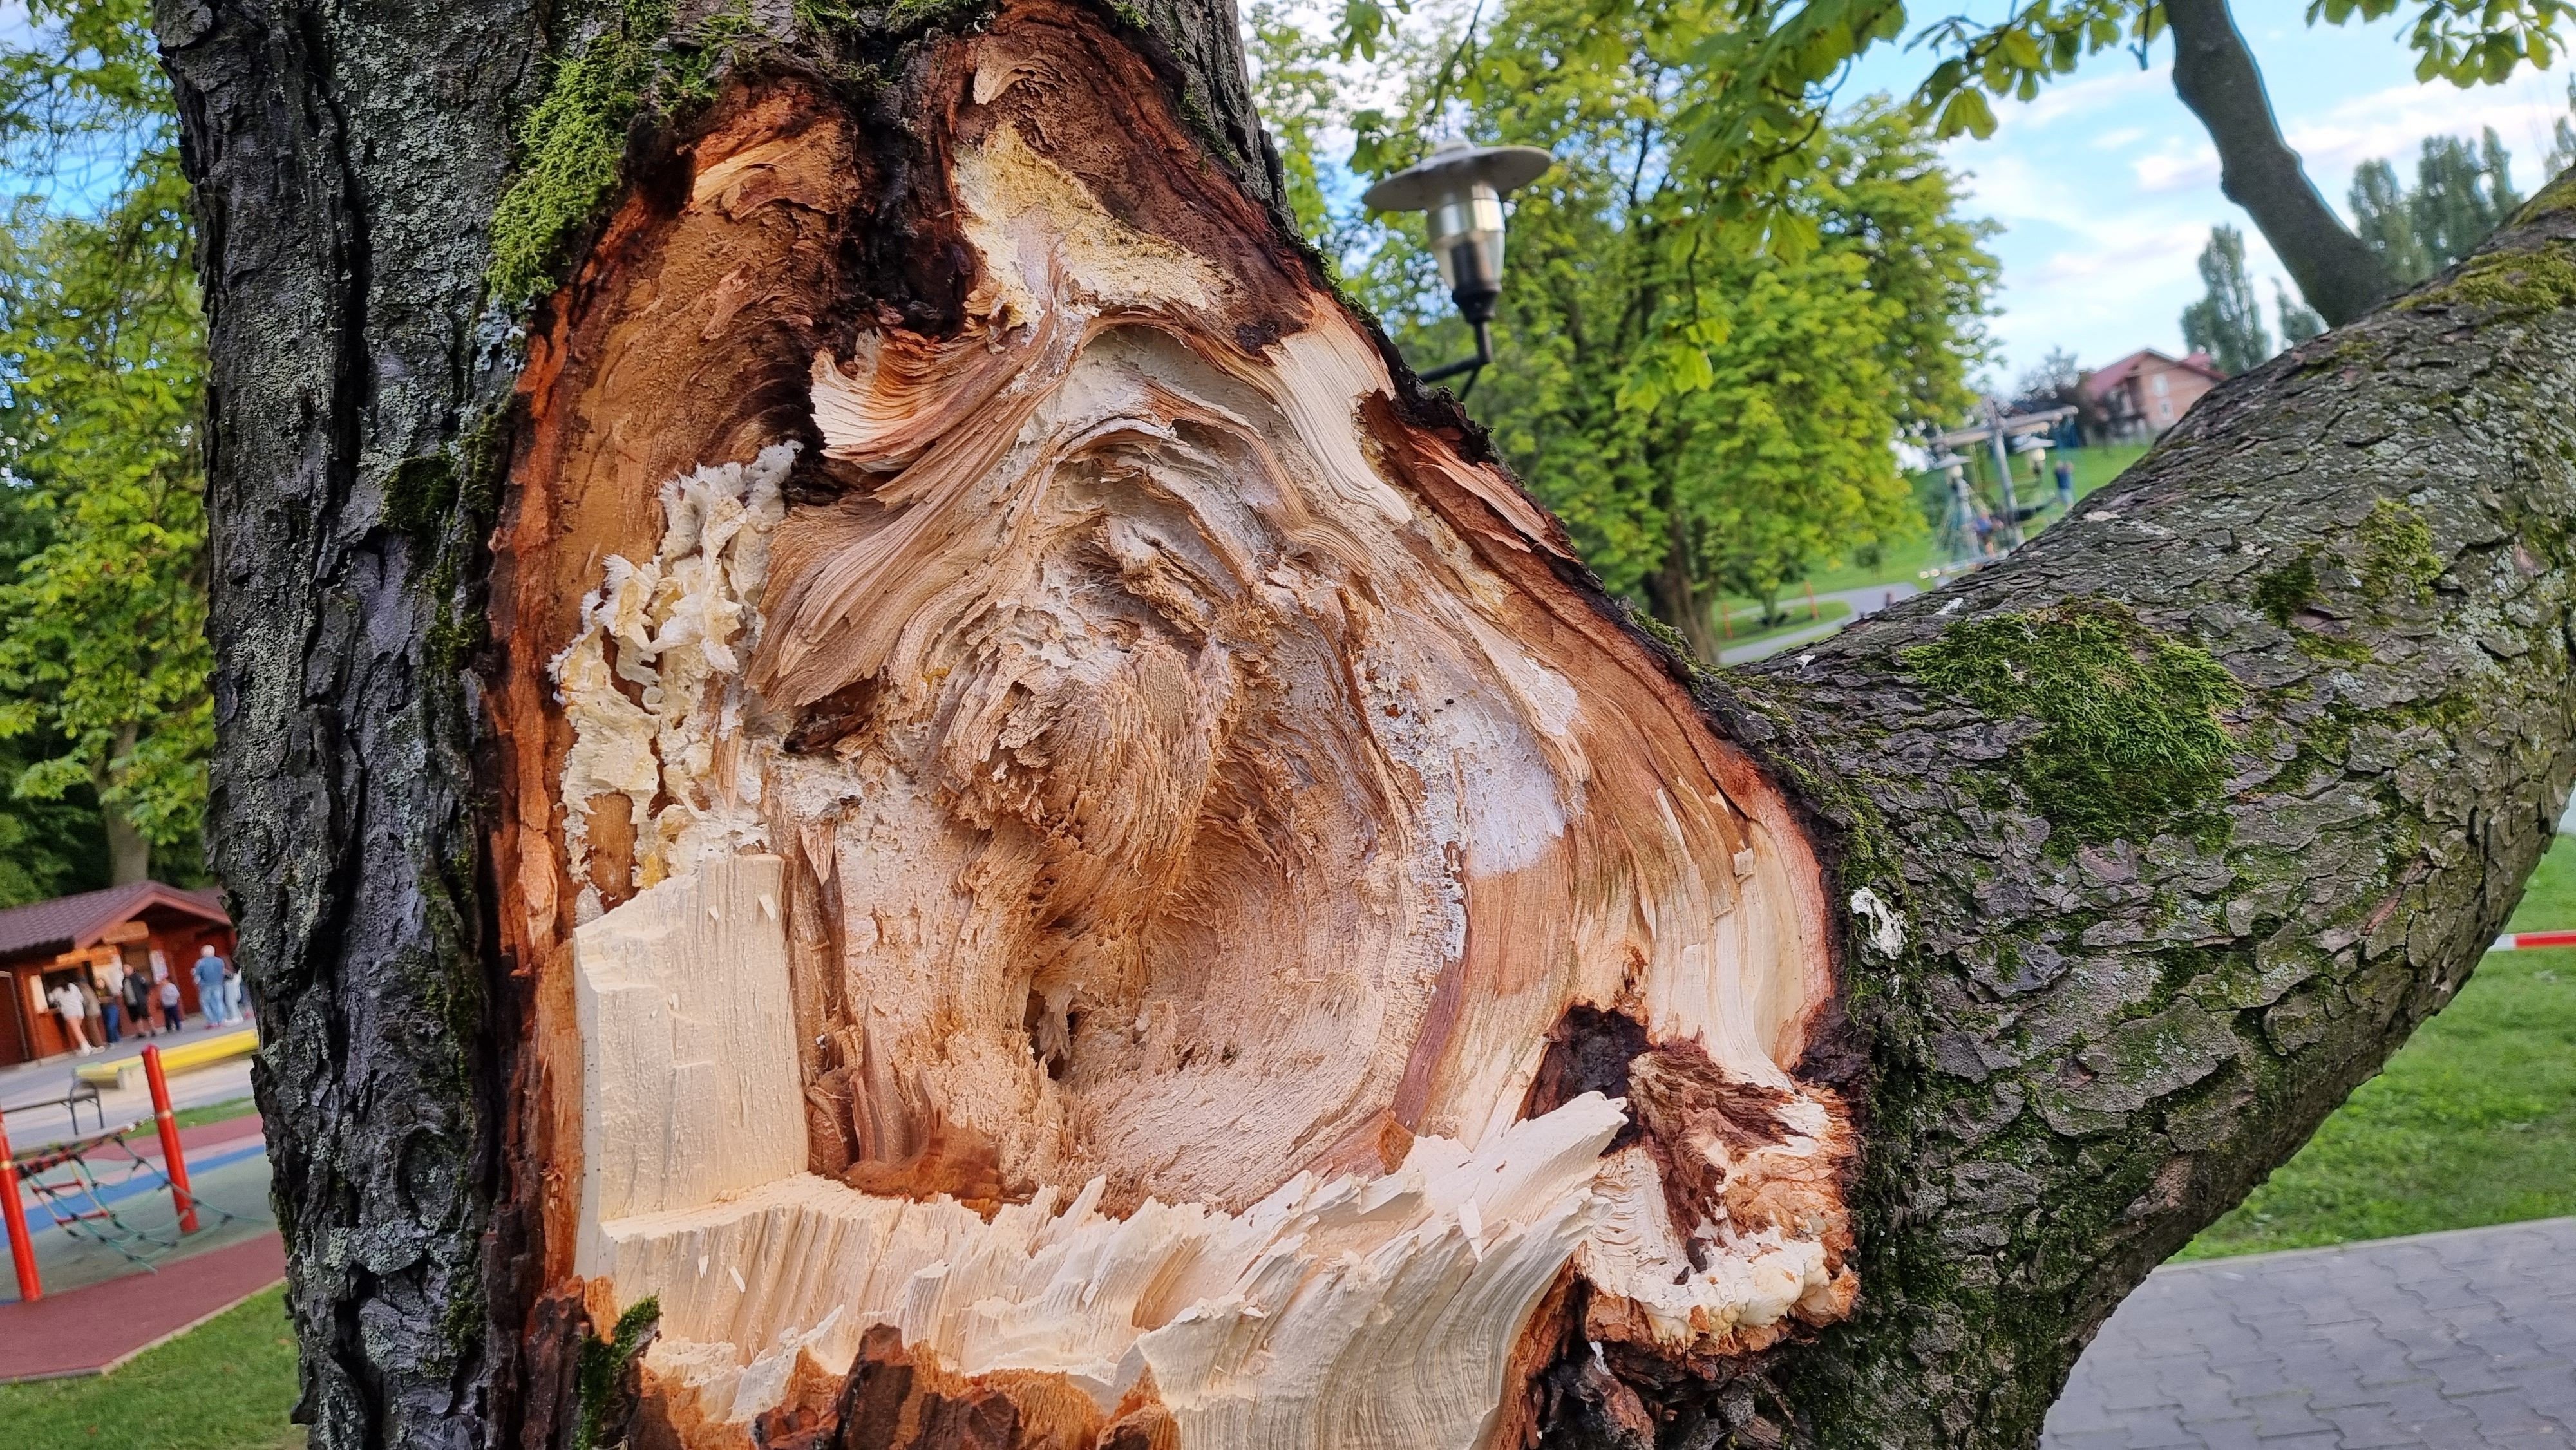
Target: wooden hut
x,y
137,927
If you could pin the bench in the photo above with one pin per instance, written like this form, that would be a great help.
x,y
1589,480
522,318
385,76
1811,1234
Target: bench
x,y
70,1102
125,1072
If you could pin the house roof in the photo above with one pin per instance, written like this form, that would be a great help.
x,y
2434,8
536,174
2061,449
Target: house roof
x,y
69,923
2102,380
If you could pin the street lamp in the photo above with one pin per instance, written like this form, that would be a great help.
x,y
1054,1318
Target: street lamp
x,y
1461,188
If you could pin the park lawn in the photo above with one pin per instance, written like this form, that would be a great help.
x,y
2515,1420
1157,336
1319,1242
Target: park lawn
x,y
1905,560
225,1385
1747,620
2472,1122
222,1112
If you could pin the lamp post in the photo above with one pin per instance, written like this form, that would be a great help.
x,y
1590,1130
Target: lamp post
x,y
1460,189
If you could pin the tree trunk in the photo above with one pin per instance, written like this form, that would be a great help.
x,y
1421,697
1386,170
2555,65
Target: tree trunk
x,y
944,796
1673,593
2215,76
129,851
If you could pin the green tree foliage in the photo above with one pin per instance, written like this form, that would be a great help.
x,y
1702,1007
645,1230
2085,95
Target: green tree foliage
x,y
2056,383
2562,140
1771,65
2386,223
103,656
1708,419
2299,322
2462,193
2227,322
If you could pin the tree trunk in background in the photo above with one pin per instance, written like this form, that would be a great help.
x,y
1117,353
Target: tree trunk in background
x,y
946,643
1673,593
2215,75
129,853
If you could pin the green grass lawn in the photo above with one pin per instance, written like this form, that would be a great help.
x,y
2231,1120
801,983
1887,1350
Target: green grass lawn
x,y
223,1386
2473,1121
1746,620
1905,560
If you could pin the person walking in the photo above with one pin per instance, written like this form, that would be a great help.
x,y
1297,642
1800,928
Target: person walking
x,y
165,1005
74,1010
236,999
138,1003
210,984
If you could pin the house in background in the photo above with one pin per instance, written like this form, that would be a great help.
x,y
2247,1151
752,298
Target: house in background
x,y
136,926
2143,394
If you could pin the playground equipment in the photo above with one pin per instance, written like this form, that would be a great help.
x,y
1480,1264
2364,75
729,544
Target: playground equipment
x,y
77,1182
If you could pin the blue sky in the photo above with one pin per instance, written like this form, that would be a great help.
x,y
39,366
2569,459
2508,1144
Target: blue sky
x,y
2107,188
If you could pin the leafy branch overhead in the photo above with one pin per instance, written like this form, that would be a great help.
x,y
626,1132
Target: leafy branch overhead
x,y
1708,421
1776,64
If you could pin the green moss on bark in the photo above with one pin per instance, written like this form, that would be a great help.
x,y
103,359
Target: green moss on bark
x,y
2131,718
601,1376
2513,284
2285,591
2397,557
570,149
419,492
572,146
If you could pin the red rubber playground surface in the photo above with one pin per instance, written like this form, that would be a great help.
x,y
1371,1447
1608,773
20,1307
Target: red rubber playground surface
x,y
96,1315
93,1330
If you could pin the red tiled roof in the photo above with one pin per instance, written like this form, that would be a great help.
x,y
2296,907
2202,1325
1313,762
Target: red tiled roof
x,y
68,923
2102,380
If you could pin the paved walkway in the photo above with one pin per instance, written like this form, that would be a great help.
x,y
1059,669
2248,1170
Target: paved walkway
x,y
2451,1341
1862,601
35,1088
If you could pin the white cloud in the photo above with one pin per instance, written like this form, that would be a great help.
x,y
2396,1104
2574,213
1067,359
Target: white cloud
x,y
2114,140
2392,123
2146,255
2177,167
2064,102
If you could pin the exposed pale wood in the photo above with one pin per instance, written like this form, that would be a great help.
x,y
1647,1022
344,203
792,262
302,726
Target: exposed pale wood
x,y
689,1080
1201,806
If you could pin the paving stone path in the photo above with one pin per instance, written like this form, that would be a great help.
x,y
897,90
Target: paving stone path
x,y
2450,1341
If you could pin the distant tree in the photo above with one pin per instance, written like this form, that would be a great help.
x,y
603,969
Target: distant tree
x,y
2299,322
2052,384
47,847
2462,193
2227,322
2386,221
103,656
2562,144
1710,421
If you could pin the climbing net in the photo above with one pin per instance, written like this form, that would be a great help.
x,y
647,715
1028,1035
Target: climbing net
x,y
80,1182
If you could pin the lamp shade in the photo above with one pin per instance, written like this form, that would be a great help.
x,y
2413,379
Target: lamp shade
x,y
1460,189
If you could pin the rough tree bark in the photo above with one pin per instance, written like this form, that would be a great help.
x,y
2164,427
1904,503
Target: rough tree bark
x,y
2214,74
944,787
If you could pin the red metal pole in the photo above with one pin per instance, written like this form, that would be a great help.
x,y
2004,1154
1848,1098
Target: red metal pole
x,y
22,1249
171,1161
